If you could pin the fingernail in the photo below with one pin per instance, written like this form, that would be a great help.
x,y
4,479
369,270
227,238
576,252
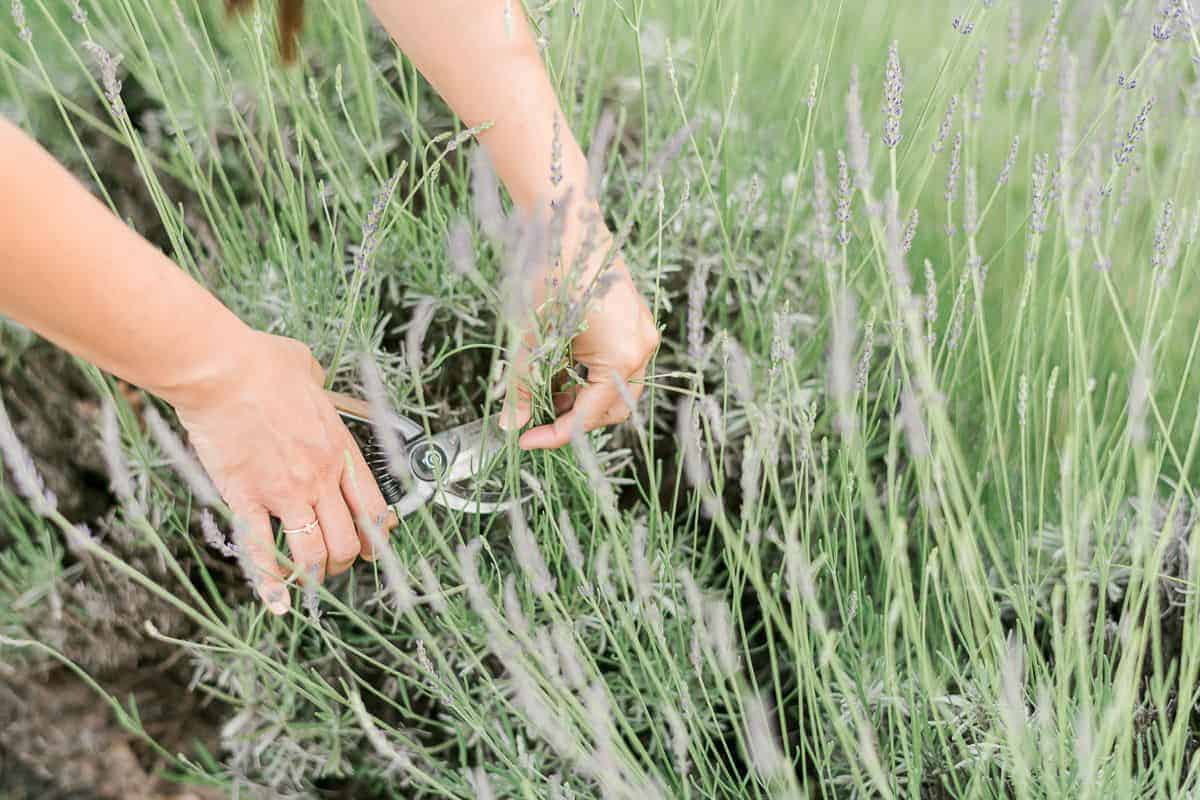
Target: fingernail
x,y
277,602
392,520
514,417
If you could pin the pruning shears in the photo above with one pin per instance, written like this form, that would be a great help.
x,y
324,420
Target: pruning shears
x,y
439,468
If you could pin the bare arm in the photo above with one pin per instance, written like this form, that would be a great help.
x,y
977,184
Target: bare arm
x,y
489,70
253,404
74,273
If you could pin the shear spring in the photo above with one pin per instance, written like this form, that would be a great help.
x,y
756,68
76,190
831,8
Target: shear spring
x,y
377,461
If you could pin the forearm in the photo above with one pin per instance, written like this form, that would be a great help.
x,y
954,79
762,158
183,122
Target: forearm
x,y
77,275
490,72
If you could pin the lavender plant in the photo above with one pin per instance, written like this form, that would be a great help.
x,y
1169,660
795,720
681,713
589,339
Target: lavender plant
x,y
908,508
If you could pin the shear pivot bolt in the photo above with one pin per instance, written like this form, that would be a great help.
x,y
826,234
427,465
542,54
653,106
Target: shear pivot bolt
x,y
428,461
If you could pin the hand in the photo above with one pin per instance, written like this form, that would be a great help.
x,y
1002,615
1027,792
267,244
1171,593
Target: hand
x,y
275,447
617,344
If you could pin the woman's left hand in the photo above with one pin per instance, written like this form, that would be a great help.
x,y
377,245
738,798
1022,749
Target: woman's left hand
x,y
616,345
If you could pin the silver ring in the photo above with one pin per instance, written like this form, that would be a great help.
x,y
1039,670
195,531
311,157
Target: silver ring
x,y
309,528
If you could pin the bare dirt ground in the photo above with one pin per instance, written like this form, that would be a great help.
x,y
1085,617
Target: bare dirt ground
x,y
59,738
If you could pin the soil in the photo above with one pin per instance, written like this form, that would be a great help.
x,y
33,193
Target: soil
x,y
60,739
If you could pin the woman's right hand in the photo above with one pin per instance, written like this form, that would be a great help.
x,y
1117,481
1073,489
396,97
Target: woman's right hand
x,y
274,445
253,403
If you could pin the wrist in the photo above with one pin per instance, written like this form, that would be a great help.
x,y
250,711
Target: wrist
x,y
587,248
202,379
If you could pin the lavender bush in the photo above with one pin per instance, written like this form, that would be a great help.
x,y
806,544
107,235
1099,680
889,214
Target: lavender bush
x,y
908,508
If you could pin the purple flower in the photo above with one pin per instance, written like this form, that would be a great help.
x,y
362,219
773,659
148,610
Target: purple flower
x,y
185,463
1162,235
1040,191
1014,34
944,128
910,230
1135,133
25,474
980,84
370,228
893,94
108,76
1050,37
955,167
856,135
119,477
845,197
18,15
822,209
1009,162
213,536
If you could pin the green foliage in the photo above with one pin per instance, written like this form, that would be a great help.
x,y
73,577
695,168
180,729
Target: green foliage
x,y
906,513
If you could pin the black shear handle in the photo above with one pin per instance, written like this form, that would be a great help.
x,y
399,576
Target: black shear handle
x,y
354,408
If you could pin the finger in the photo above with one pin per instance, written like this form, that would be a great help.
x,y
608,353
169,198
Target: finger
x,y
305,541
256,552
516,411
564,401
591,404
630,390
563,398
341,537
365,501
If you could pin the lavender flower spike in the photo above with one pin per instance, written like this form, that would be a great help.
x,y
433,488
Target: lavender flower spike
x,y
25,473
108,76
119,476
893,94
1135,133
181,458
856,135
18,15
370,228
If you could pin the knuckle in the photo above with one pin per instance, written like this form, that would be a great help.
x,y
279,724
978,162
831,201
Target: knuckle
x,y
239,499
376,505
308,546
304,360
331,462
293,500
300,482
299,349
262,555
301,473
309,562
344,550
628,358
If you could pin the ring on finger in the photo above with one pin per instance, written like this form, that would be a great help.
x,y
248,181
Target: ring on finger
x,y
303,529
